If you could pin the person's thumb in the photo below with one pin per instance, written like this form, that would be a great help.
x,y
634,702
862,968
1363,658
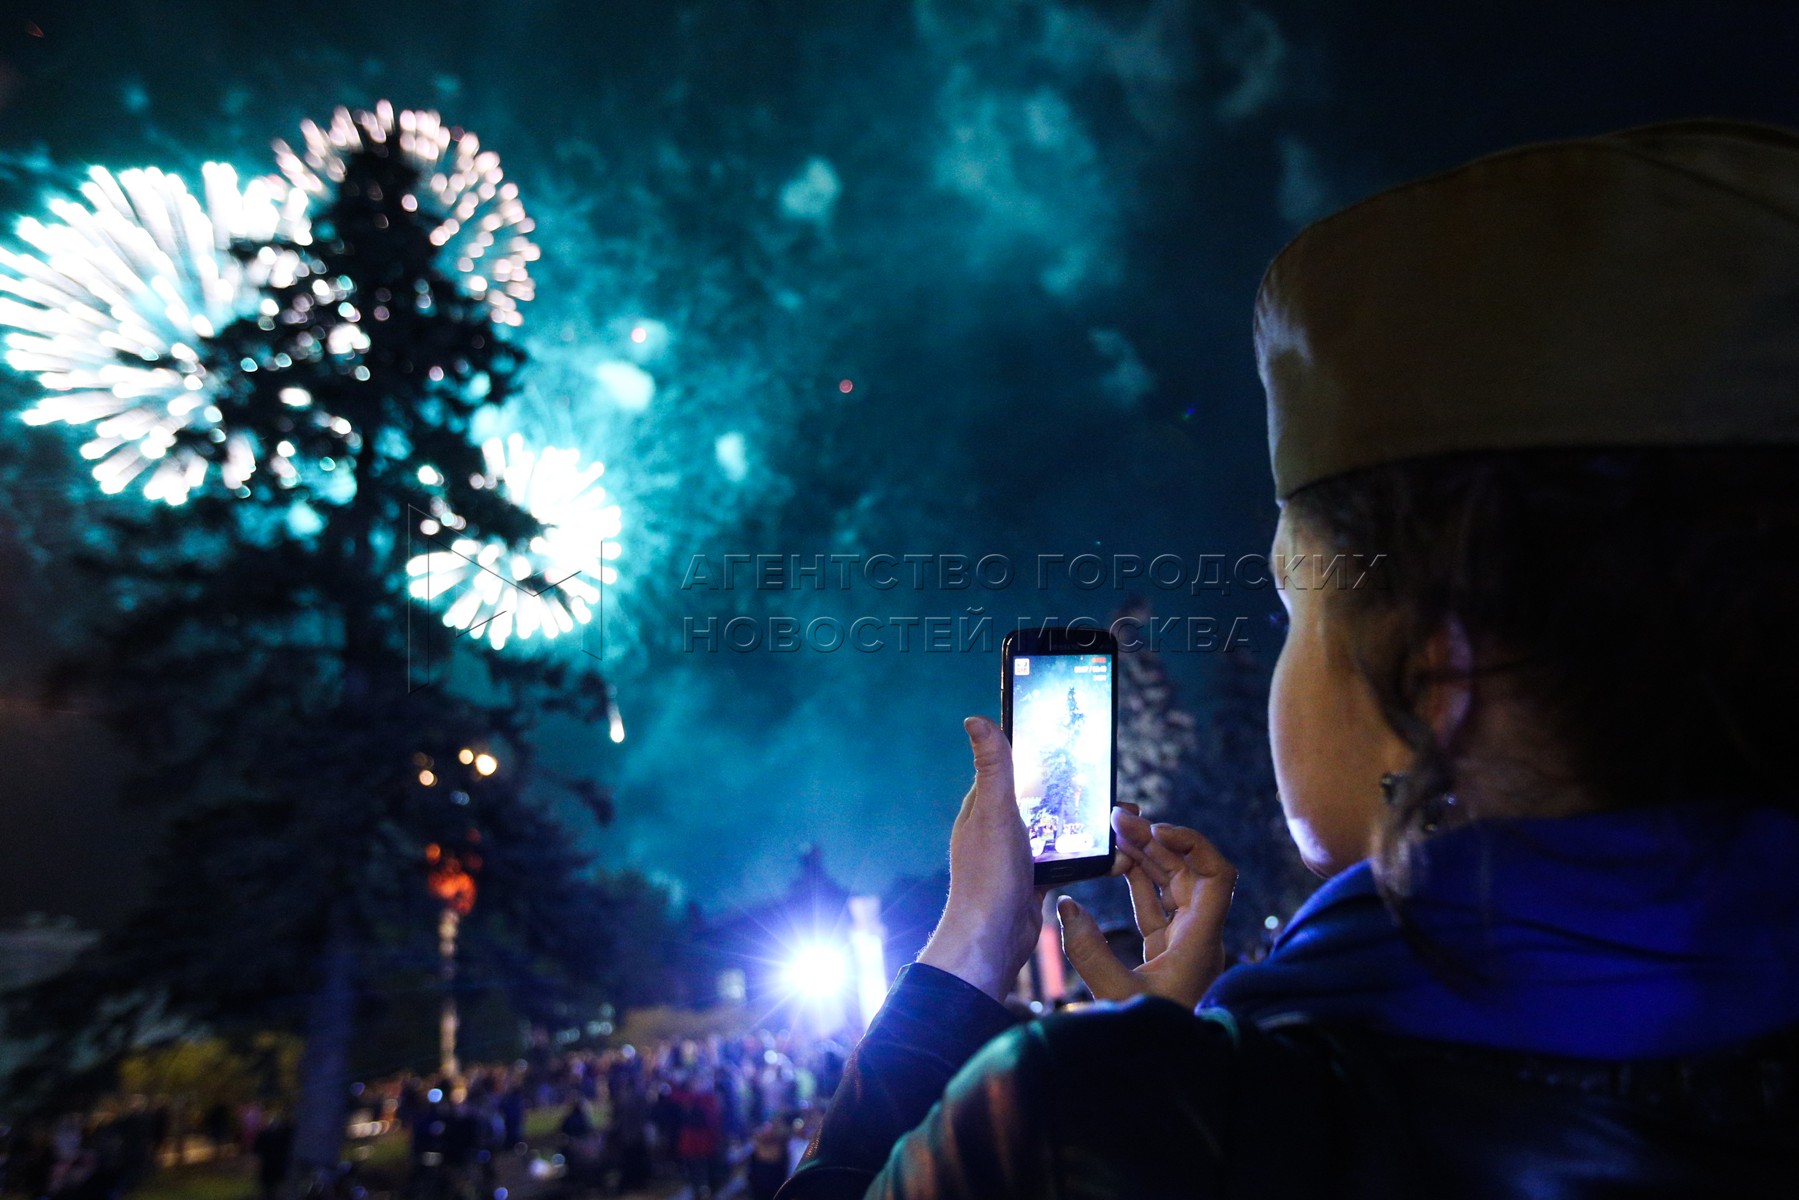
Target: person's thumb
x,y
992,762
1092,959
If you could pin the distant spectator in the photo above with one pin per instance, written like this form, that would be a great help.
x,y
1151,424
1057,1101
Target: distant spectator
x,y
274,1150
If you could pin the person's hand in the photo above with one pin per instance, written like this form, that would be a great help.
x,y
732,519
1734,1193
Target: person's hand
x,y
991,923
1181,892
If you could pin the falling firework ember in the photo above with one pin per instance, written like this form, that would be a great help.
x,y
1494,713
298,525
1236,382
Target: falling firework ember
x,y
547,587
114,303
481,225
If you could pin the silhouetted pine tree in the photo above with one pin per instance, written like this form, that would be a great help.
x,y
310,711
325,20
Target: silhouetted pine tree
x,y
1156,737
258,667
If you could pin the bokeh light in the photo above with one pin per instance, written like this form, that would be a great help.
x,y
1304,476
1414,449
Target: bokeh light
x,y
482,227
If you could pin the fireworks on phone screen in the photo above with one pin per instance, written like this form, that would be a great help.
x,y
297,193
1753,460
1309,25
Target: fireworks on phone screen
x,y
1062,752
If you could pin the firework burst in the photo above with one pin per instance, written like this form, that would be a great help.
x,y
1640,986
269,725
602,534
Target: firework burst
x,y
114,301
481,226
546,588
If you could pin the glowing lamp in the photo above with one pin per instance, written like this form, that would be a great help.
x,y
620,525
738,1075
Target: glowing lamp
x,y
818,972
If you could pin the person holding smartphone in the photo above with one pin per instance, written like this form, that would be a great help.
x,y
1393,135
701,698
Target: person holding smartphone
x,y
1539,748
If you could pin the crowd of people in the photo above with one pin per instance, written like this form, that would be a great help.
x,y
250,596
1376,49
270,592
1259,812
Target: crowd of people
x,y
702,1110
80,1158
115,1148
697,1108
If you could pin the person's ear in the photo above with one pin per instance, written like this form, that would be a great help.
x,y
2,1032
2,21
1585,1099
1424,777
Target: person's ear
x,y
1449,667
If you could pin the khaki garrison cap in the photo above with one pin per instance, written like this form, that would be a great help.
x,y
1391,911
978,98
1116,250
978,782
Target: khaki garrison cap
x,y
1635,289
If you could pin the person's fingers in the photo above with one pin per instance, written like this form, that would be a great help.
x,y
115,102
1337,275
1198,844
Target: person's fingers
x,y
1145,891
1146,906
1201,891
1197,852
1160,855
1131,828
1158,874
1134,841
991,920
1190,844
992,766
992,753
1091,957
1121,861
1206,881
1125,835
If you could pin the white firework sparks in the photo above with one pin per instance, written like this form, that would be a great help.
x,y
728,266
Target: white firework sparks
x,y
481,225
548,587
114,300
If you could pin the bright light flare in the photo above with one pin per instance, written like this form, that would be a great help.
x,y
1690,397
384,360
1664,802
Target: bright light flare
x,y
817,972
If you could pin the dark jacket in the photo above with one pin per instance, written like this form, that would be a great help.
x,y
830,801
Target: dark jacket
x,y
1147,1100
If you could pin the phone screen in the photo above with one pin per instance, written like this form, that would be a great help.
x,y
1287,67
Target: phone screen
x,y
1062,711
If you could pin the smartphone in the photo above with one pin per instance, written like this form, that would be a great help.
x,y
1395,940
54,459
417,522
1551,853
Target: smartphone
x,y
1059,708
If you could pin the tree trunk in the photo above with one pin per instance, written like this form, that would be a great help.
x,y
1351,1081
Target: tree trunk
x,y
447,1064
325,1061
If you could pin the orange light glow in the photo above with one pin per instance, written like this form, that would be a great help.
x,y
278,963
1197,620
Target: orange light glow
x,y
451,875
454,886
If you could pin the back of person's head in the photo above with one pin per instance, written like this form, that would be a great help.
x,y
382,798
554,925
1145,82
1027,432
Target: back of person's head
x,y
1549,402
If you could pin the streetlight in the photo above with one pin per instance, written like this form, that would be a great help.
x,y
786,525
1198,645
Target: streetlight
x,y
451,877
815,977
817,971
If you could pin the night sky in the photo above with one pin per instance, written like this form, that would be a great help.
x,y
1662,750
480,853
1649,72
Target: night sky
x,y
916,278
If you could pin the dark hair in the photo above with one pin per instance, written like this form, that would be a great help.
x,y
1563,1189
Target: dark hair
x,y
1641,606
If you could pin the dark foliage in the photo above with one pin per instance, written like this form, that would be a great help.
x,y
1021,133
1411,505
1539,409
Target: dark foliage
x,y
265,674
